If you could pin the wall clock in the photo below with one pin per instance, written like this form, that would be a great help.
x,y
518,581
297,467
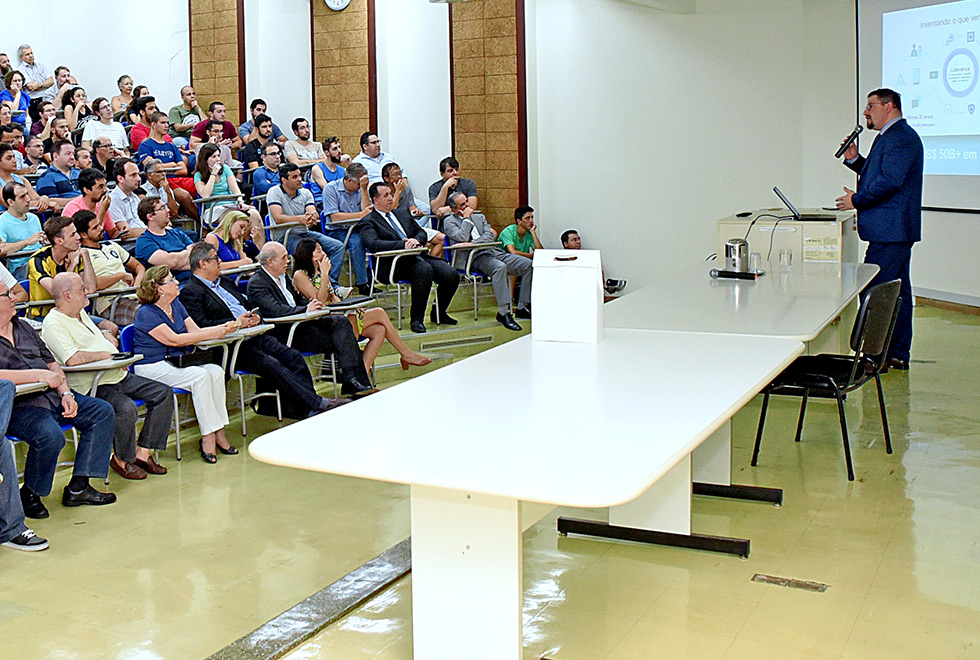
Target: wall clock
x,y
337,5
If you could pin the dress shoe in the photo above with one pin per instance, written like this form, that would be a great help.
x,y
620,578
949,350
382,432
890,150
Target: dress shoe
x,y
33,506
523,312
368,290
336,403
127,470
443,318
230,450
508,322
150,465
419,363
89,496
208,458
418,327
896,363
353,386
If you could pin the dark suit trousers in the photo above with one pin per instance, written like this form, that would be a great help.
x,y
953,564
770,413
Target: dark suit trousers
x,y
422,272
284,367
894,259
333,334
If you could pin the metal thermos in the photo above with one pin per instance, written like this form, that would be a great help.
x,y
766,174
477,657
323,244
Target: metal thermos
x,y
737,255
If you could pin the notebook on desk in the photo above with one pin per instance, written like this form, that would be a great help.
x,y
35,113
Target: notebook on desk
x,y
804,217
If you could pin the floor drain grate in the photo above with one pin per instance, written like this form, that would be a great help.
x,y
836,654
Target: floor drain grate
x,y
792,583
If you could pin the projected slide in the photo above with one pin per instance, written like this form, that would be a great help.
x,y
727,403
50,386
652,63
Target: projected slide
x,y
930,56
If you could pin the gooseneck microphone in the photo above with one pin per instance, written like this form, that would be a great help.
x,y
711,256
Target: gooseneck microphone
x,y
849,140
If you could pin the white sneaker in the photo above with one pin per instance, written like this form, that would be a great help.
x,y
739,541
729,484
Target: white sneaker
x,y
343,291
28,542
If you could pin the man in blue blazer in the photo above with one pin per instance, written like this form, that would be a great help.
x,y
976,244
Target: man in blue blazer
x,y
889,205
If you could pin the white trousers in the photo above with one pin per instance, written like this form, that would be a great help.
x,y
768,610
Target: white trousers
x,y
206,384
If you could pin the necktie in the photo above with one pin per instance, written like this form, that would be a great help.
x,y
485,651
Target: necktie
x,y
396,225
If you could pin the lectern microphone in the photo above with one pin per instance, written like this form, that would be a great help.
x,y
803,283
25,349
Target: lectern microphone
x,y
847,142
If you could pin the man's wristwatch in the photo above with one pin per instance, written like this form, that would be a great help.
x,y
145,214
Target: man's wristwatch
x,y
68,393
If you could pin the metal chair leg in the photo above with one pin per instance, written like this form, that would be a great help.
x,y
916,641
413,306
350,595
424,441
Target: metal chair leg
x,y
177,424
884,416
476,308
799,423
241,402
843,431
762,424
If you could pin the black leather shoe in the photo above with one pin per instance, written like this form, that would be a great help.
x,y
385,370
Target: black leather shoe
x,y
895,363
444,318
208,458
33,506
89,496
230,450
418,327
353,386
368,290
508,322
523,312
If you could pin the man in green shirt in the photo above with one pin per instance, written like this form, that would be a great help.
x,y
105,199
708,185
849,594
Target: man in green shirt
x,y
184,117
522,236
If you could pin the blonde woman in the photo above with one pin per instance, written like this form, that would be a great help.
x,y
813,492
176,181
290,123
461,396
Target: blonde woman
x,y
164,329
229,237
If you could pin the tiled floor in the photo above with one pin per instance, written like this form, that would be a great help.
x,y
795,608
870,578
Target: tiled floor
x,y
899,547
186,563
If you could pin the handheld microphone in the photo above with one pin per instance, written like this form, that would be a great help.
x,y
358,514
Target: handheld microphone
x,y
849,140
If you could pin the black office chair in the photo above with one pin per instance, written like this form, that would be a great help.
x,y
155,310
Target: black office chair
x,y
833,376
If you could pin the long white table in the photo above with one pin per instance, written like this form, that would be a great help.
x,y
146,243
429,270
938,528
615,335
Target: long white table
x,y
587,426
794,303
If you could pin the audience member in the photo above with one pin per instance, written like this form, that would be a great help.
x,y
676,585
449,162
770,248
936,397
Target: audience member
x,y
8,164
41,123
272,292
34,156
291,202
216,111
94,198
385,229
122,100
60,182
74,104
123,201
138,92
104,126
157,145
185,117
63,81
73,339
212,300
37,418
303,151
311,282
521,237
59,132
570,240
5,64
228,239
38,77
144,107
252,151
371,156
83,158
16,96
451,182
329,169
13,532
267,176
249,130
157,185
9,135
63,254
162,330
347,199
20,230
6,116
103,155
17,292
464,227
213,131
212,179
161,244
115,269
391,173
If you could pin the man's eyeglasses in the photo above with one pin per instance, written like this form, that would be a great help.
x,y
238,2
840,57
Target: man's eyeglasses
x,y
7,294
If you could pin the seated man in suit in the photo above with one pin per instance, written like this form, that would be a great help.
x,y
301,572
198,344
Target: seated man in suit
x,y
272,292
387,229
212,300
464,227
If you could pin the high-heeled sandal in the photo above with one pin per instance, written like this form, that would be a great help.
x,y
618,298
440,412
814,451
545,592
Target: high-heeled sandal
x,y
231,450
208,458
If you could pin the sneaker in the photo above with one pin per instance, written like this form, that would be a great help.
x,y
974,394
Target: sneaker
x,y
343,291
28,542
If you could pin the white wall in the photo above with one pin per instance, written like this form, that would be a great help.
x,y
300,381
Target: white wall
x,y
414,118
278,67
103,44
652,125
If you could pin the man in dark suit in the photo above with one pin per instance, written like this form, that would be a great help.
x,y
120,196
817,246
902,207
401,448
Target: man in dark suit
x,y
272,292
212,300
387,229
889,205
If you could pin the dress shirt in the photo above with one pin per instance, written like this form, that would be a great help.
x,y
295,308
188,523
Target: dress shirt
x,y
234,306
281,281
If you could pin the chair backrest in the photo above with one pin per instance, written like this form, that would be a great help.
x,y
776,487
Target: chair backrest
x,y
126,338
876,319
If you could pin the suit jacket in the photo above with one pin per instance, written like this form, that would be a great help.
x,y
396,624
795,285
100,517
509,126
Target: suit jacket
x,y
264,292
378,236
889,191
459,230
204,306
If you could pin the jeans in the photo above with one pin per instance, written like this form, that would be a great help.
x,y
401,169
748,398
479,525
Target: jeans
x,y
40,429
11,510
333,248
358,254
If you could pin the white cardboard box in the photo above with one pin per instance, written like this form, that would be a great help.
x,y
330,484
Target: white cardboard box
x,y
566,297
